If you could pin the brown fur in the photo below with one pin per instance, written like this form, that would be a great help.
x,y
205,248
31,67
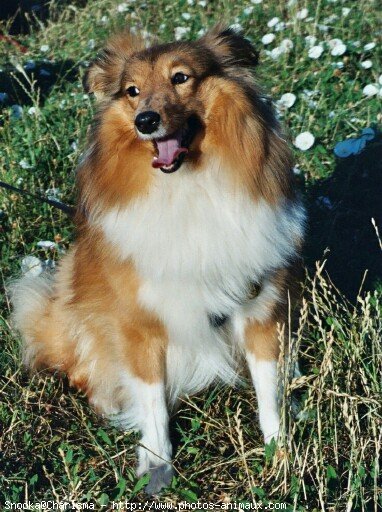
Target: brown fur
x,y
92,318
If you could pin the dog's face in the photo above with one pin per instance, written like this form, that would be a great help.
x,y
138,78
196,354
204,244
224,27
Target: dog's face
x,y
162,91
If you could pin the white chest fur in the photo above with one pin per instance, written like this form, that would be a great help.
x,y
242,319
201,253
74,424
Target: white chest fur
x,y
196,244
194,226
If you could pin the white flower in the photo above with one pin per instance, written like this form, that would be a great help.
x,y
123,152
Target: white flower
x,y
32,111
181,32
104,19
190,2
369,46
24,164
301,15
334,42
31,266
304,141
201,32
296,169
337,47
338,50
286,101
380,79
44,48
280,26
256,1
268,38
366,64
186,16
323,28
273,22
46,244
286,45
370,90
345,11
332,114
91,44
276,52
248,10
122,7
236,27
315,52
310,40
202,3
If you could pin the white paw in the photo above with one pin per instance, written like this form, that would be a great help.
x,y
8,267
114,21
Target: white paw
x,y
160,477
148,460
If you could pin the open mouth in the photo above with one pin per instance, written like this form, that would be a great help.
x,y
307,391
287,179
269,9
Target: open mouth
x,y
172,149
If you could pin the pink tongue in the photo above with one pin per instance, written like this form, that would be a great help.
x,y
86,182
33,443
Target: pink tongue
x,y
168,150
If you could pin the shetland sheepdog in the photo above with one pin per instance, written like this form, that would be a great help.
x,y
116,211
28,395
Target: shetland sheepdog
x,y
189,233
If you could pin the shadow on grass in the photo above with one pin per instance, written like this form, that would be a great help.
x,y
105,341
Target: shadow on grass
x,y
21,15
44,74
340,211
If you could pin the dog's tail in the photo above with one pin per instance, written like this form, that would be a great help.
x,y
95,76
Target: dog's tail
x,y
32,298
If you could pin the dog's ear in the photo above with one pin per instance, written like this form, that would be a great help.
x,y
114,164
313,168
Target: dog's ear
x,y
104,76
231,47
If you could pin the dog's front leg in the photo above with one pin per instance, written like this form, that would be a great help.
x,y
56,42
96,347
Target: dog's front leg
x,y
145,383
262,350
155,450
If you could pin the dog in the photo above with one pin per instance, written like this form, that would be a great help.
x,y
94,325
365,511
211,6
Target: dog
x,y
189,236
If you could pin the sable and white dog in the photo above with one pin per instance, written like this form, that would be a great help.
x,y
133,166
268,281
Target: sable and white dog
x,y
189,239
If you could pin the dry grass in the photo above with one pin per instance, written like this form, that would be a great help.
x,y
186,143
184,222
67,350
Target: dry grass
x,y
52,445
55,447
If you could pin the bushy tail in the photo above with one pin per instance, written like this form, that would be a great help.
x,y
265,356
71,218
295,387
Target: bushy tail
x,y
31,297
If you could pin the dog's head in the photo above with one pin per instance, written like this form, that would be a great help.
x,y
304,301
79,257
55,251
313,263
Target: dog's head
x,y
164,93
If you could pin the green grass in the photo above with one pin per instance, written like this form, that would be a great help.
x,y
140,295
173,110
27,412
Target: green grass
x,y
53,446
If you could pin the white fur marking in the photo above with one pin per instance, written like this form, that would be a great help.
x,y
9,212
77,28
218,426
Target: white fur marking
x,y
196,244
264,377
147,410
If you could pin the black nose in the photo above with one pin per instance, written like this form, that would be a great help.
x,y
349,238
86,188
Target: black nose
x,y
147,122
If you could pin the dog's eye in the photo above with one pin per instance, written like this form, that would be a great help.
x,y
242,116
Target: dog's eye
x,y
132,91
179,78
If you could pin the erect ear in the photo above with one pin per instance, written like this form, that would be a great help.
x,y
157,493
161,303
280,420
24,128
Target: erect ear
x,y
104,75
231,47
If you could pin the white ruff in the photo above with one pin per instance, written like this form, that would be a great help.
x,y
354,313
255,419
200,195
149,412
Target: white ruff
x,y
196,244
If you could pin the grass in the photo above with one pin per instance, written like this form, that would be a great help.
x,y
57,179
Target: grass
x,y
53,446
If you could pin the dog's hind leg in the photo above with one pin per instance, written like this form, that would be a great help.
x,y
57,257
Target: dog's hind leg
x,y
262,350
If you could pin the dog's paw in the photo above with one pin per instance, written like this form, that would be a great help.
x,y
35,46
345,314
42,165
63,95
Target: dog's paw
x,y
271,436
160,477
